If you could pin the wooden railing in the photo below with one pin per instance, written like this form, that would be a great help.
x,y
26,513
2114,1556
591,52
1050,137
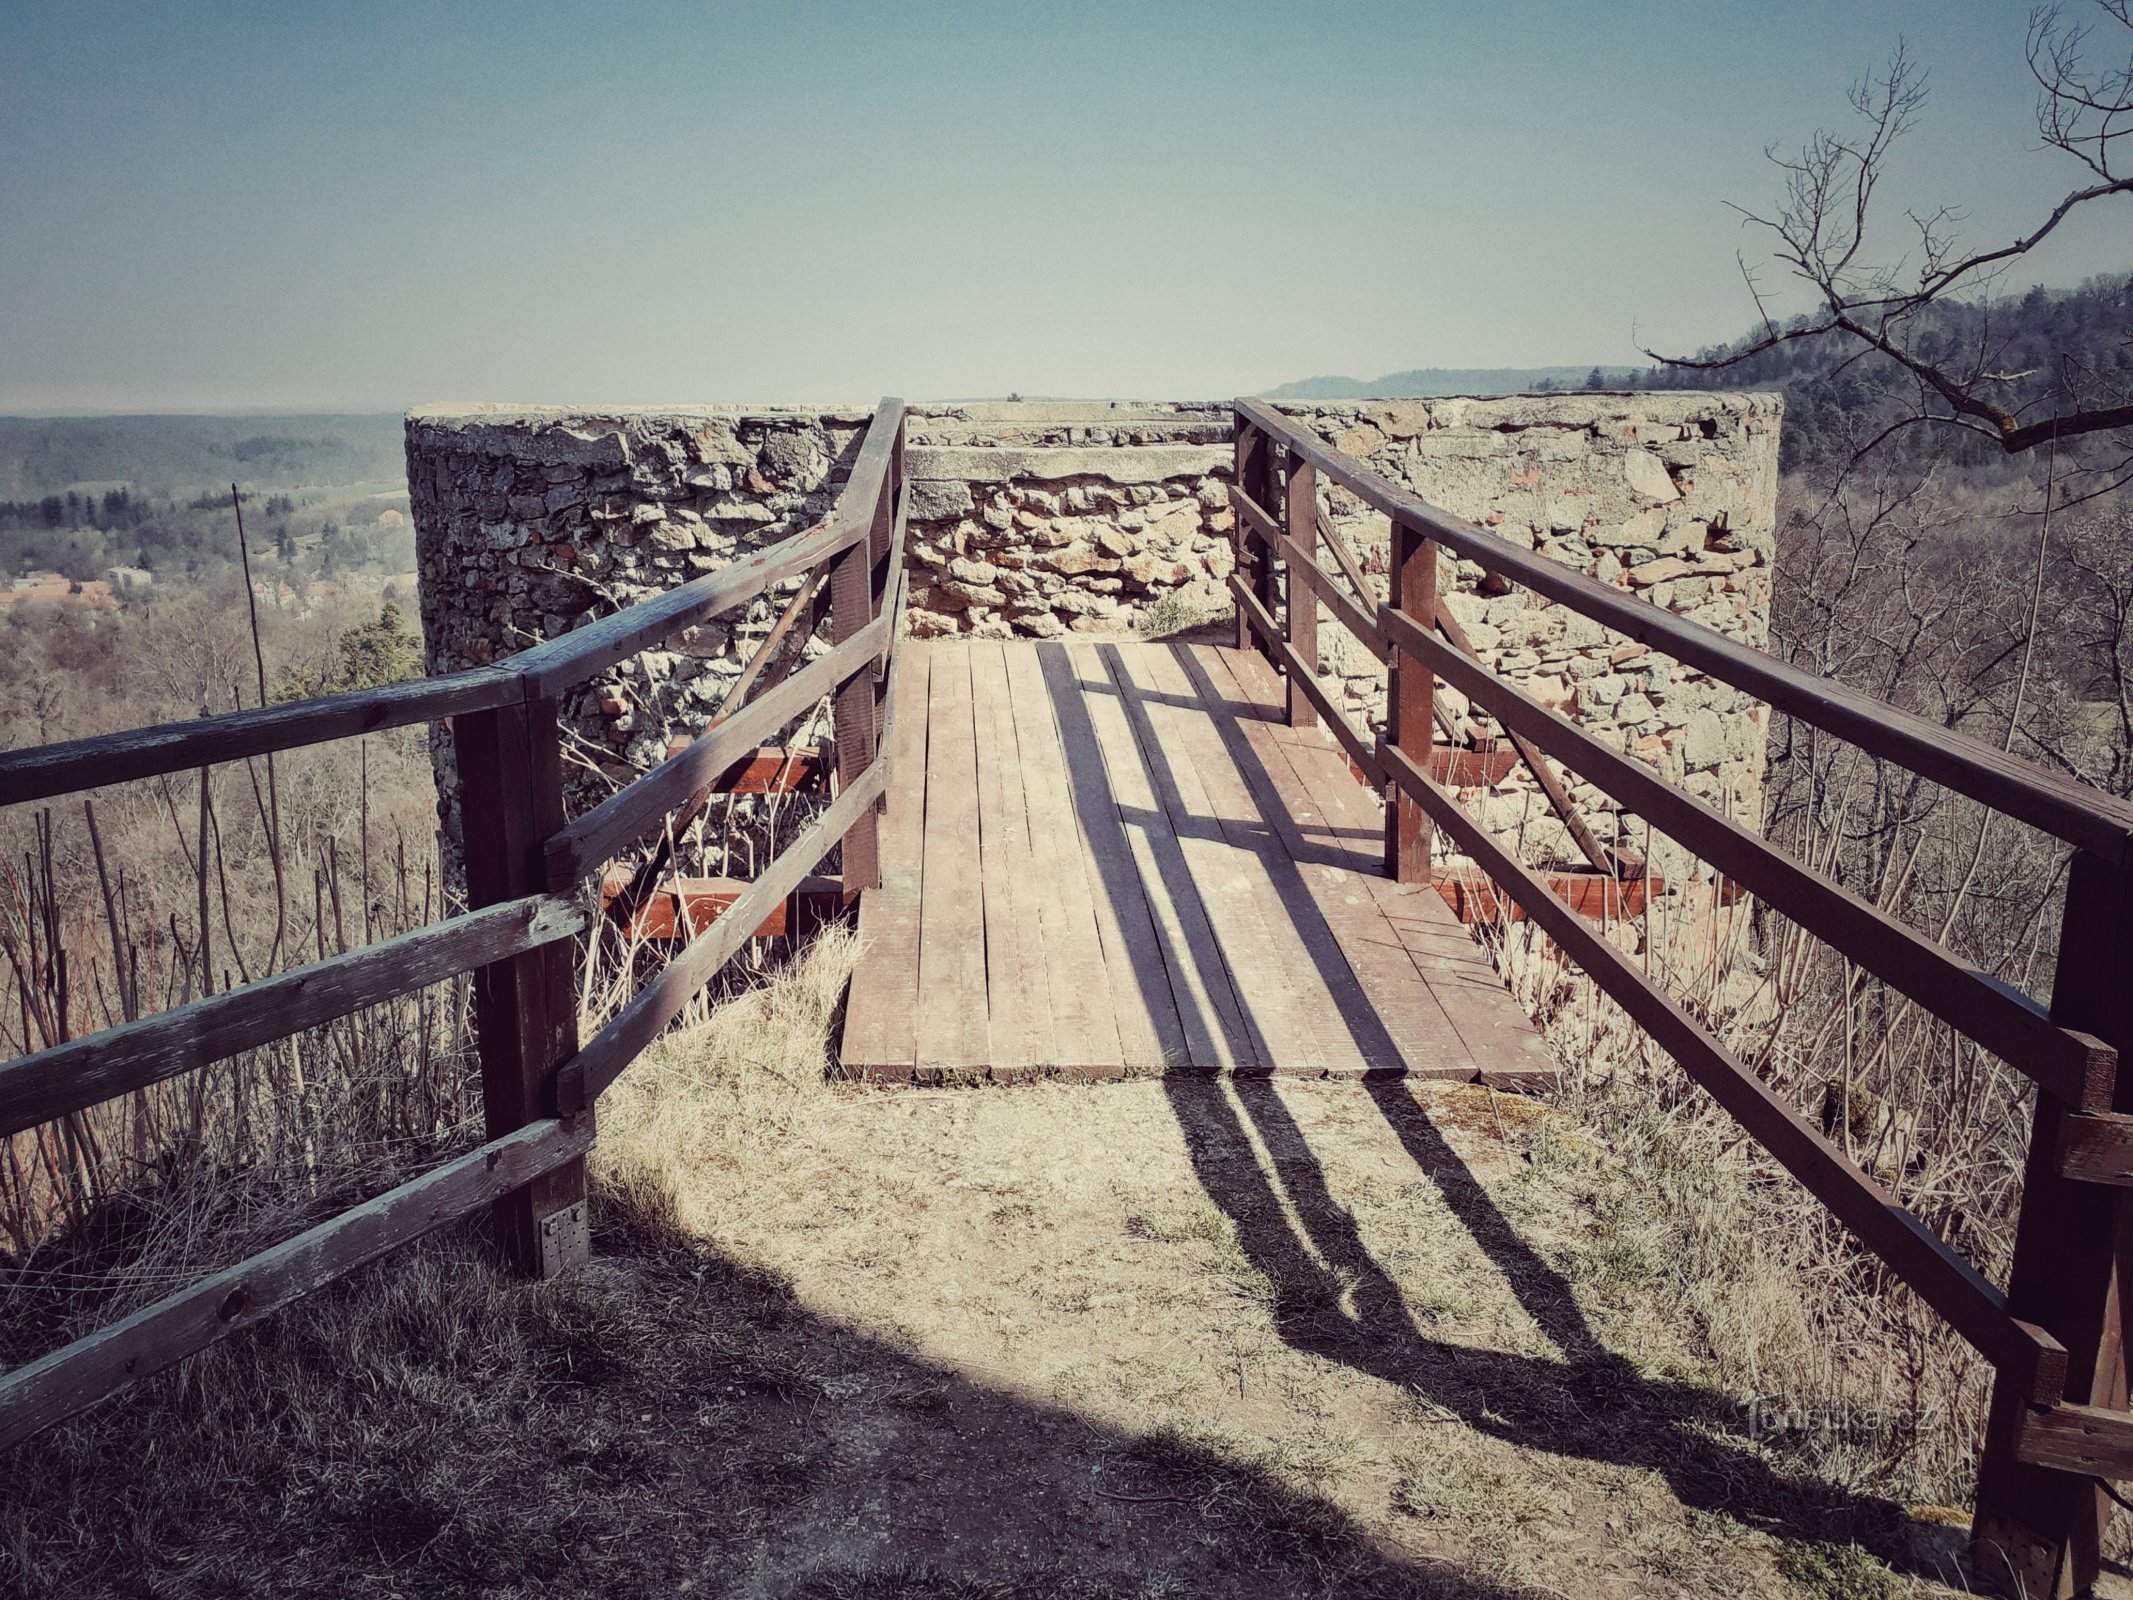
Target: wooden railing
x,y
525,865
2059,1420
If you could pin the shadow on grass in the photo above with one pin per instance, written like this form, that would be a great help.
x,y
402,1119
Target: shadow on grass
x,y
661,1421
1331,1298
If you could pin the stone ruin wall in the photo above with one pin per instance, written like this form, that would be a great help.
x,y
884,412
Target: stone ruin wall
x,y
1039,520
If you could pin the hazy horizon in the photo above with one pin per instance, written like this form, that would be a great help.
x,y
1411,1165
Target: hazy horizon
x,y
245,209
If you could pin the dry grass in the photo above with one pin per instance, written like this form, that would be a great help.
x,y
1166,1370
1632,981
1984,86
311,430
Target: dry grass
x,y
1158,1338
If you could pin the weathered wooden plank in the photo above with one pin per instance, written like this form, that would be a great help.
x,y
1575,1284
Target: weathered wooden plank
x,y
2097,1148
615,1046
1329,1006
1943,1279
558,663
581,848
1498,1042
952,1006
97,1066
1164,1017
1017,982
525,1007
76,1376
45,770
2072,811
880,1017
683,907
770,769
1245,915
1339,880
2089,1441
2077,1067
1084,1014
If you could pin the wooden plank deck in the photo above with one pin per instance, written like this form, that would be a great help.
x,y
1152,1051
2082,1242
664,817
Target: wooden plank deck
x,y
1109,857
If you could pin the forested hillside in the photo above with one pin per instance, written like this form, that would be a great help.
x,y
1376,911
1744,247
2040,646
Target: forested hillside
x,y
1424,382
2055,348
169,456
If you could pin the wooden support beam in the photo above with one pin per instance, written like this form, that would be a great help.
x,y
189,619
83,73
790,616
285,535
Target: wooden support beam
x,y
2097,1148
1537,764
1249,476
1300,519
2037,1525
526,1007
1410,704
624,1038
685,907
1302,679
581,848
1363,624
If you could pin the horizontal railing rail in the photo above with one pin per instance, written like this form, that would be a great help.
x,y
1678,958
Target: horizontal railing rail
x,y
2053,1335
102,1066
538,1086
2046,800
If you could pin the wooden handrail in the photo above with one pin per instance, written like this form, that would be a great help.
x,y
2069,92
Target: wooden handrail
x,y
558,663
1942,1278
2075,1066
99,1066
2058,805
79,1374
2058,1416
631,812
46,770
509,754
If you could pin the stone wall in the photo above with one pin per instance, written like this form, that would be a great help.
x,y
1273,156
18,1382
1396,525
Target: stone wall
x,y
1035,520
1671,496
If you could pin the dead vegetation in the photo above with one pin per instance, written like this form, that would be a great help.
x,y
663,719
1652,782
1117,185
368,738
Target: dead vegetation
x,y
1142,1339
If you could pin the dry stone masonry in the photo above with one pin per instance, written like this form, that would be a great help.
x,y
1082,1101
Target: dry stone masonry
x,y
1039,520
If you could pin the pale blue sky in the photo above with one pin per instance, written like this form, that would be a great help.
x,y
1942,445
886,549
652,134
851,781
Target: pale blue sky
x,y
375,205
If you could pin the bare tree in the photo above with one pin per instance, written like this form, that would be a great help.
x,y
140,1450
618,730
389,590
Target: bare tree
x,y
1830,199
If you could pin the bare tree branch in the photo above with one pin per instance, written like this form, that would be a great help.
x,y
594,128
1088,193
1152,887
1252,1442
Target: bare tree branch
x,y
1821,232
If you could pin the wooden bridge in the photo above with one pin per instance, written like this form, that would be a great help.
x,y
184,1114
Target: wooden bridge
x,y
1122,857
1117,857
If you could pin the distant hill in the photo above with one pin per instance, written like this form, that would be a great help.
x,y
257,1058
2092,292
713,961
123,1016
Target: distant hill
x,y
1425,381
164,455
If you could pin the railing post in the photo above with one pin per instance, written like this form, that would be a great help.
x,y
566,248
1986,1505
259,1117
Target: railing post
x,y
1255,568
525,1009
1410,694
2037,1530
1299,519
856,711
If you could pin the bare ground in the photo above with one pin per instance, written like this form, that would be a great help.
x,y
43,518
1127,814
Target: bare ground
x,y
1138,1339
